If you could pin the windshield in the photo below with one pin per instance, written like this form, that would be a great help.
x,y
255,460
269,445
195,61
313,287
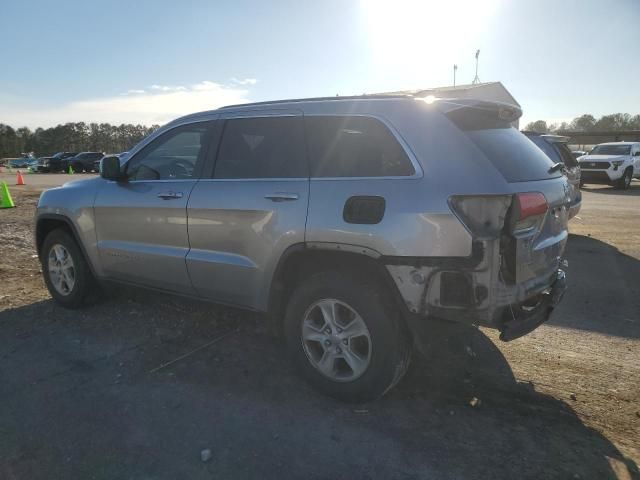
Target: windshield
x,y
611,150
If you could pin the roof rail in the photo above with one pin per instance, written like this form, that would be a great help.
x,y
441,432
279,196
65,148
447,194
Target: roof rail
x,y
316,99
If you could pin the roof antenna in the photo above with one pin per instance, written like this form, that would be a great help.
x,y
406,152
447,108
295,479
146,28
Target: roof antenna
x,y
476,79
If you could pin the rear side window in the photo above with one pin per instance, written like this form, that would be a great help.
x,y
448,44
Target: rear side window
x,y
350,146
266,147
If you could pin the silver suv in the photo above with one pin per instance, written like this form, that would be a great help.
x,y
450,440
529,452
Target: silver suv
x,y
354,223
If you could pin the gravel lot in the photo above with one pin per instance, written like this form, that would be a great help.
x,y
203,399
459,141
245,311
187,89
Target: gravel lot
x,y
88,394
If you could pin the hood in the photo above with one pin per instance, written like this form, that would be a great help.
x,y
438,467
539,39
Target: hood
x,y
88,182
602,158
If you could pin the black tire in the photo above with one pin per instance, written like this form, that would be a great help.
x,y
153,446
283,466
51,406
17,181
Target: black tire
x,y
625,181
390,346
77,168
85,286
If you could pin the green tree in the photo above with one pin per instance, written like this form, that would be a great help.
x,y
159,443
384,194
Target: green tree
x,y
583,123
539,126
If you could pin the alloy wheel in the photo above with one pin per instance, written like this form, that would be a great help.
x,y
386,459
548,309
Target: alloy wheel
x,y
336,340
62,272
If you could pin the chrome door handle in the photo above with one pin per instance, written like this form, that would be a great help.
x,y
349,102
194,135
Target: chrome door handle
x,y
281,197
169,195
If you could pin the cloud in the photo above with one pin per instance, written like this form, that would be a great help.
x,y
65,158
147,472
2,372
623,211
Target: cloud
x,y
157,104
167,88
245,81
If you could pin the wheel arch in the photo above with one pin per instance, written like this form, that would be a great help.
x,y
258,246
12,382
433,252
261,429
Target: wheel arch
x,y
46,223
302,260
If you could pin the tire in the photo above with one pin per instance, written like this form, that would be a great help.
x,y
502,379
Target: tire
x,y
625,181
388,352
78,168
83,285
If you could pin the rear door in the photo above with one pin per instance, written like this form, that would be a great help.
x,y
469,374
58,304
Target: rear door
x,y
141,223
251,209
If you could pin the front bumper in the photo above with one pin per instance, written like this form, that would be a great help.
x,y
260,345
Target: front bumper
x,y
600,176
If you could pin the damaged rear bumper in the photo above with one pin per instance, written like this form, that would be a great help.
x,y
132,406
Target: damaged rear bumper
x,y
472,290
523,321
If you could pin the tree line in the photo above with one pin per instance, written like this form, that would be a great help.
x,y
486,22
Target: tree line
x,y
71,137
588,123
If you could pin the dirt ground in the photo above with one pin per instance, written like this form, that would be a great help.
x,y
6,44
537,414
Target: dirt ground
x,y
92,394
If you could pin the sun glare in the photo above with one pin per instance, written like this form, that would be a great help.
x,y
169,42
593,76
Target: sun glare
x,y
419,36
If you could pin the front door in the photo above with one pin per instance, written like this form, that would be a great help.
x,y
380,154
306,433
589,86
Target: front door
x,y
141,222
250,210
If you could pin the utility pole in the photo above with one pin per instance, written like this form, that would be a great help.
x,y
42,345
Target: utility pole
x,y
455,67
476,79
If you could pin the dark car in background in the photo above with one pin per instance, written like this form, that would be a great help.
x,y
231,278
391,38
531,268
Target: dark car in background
x,y
43,165
60,161
85,161
557,149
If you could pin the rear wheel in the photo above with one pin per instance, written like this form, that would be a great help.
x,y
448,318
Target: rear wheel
x,y
625,182
345,337
66,272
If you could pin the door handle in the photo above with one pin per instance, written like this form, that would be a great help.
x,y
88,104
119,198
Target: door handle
x,y
281,197
169,195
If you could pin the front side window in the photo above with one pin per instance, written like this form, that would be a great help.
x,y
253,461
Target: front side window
x,y
264,147
351,146
172,156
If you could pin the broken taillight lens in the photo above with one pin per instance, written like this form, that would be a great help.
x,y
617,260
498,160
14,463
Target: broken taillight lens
x,y
531,209
483,215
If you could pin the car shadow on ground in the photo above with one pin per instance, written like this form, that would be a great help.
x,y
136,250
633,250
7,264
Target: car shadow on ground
x,y
93,393
632,191
604,292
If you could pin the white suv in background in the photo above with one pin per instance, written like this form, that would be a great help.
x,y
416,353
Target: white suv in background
x,y
614,163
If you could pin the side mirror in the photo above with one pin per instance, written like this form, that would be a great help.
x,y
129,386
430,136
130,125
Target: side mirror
x,y
110,168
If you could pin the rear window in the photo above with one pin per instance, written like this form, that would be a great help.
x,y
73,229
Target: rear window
x,y
353,146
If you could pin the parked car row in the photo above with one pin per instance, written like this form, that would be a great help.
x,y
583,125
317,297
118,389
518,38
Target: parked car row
x,y
60,162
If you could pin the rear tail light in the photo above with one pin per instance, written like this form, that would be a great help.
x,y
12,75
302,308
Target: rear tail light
x,y
483,215
530,209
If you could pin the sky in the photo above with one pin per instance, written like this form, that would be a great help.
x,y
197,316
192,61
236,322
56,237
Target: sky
x,y
140,61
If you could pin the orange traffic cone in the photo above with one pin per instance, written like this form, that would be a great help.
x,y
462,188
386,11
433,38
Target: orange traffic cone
x,y
20,179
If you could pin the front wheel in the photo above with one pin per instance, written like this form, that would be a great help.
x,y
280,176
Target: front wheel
x,y
625,182
345,337
66,272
